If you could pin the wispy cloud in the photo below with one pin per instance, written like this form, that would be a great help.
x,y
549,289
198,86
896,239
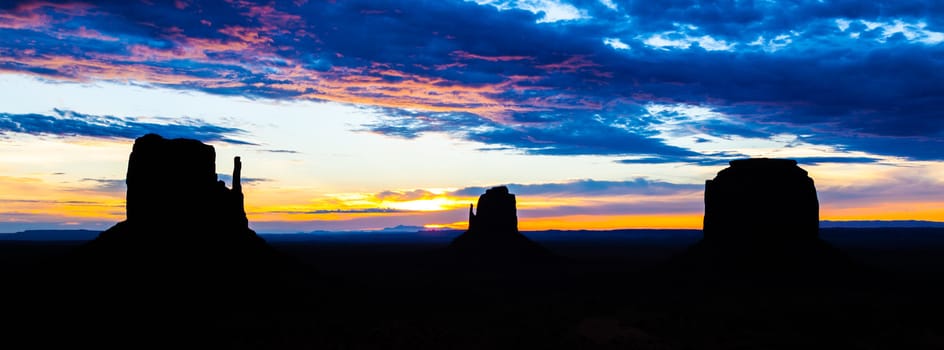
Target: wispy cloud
x,y
724,159
108,185
69,123
48,201
286,151
243,180
342,211
589,187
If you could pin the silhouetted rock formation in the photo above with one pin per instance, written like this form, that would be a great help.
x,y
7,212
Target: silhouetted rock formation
x,y
498,212
493,232
762,222
173,187
186,243
761,200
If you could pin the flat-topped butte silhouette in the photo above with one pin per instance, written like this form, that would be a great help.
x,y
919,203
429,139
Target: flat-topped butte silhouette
x,y
493,232
761,223
175,181
498,213
186,238
761,199
173,190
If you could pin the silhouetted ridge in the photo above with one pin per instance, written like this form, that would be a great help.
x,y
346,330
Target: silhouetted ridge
x,y
762,221
493,231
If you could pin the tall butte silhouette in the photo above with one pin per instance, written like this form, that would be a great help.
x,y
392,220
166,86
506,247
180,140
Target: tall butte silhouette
x,y
185,245
762,221
493,235
173,192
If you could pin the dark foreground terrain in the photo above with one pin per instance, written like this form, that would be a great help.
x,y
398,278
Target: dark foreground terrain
x,y
609,290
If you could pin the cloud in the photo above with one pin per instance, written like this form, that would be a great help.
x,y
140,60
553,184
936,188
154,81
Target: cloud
x,y
609,4
286,151
536,133
108,185
119,186
589,187
840,160
365,222
664,160
45,201
904,186
69,123
228,179
723,160
683,41
550,10
540,76
616,43
652,206
398,196
341,211
470,56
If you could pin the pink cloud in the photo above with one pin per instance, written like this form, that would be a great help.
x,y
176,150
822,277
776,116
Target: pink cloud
x,y
34,14
449,65
270,18
471,56
570,65
248,35
85,33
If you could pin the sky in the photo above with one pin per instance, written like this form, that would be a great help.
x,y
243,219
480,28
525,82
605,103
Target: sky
x,y
361,115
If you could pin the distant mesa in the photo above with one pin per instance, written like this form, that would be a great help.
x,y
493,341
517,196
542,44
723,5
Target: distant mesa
x,y
493,232
761,199
403,228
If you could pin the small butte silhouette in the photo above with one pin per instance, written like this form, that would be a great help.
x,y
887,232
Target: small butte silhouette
x,y
493,235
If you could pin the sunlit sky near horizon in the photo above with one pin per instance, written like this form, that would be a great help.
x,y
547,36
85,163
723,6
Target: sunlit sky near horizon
x,y
359,115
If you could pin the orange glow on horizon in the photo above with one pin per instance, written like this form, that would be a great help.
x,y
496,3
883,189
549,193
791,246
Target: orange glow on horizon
x,y
461,225
57,198
598,222
612,222
927,211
